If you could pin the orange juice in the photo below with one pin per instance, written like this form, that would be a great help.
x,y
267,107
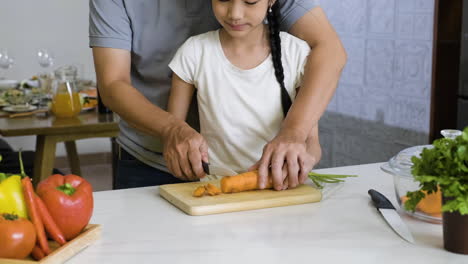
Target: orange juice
x,y
66,105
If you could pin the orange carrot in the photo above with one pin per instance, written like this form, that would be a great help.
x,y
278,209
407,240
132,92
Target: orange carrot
x,y
50,226
199,191
430,205
37,253
212,190
246,181
33,213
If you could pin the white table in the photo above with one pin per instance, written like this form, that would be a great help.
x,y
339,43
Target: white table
x,y
141,227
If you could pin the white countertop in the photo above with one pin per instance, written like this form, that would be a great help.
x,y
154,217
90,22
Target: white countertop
x,y
141,227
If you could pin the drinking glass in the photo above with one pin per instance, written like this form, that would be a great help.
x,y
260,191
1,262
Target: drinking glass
x,y
6,60
45,58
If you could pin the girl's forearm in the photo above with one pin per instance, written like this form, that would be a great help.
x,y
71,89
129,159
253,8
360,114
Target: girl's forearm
x,y
313,144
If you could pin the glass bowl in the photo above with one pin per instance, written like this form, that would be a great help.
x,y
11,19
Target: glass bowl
x,y
399,166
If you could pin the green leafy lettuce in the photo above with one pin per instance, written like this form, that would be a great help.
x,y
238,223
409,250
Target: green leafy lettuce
x,y
444,166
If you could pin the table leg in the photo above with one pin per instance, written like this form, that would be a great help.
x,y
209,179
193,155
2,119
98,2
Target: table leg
x,y
44,157
73,158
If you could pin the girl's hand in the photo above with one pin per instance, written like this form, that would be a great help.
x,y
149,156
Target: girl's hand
x,y
184,150
289,161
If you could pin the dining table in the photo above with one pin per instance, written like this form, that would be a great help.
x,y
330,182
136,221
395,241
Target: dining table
x,y
139,226
50,130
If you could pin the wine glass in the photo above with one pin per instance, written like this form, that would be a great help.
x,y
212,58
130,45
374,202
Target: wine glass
x,y
6,61
45,58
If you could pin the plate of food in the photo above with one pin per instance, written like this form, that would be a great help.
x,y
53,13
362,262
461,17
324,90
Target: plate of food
x,y
17,96
3,102
19,108
89,92
88,103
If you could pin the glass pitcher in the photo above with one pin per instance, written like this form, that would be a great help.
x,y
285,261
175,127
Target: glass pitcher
x,y
65,100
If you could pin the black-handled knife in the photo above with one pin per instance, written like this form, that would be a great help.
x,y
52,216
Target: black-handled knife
x,y
388,211
380,201
206,167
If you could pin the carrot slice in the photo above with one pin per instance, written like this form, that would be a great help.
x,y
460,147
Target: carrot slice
x,y
212,190
50,226
33,213
199,192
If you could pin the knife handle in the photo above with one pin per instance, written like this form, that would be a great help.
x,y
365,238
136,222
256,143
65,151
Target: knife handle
x,y
380,201
206,168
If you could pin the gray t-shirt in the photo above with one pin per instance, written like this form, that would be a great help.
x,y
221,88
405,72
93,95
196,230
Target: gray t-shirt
x,y
153,30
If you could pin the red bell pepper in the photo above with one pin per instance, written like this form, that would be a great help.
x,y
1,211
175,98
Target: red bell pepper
x,y
69,200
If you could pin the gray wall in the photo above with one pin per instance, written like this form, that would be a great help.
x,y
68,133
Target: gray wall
x,y
382,104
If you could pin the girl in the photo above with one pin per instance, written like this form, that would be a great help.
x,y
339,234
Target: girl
x,y
245,74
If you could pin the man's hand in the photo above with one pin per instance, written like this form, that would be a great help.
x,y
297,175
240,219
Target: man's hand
x,y
184,150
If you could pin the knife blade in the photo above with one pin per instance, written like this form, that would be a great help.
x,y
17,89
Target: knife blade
x,y
389,213
211,170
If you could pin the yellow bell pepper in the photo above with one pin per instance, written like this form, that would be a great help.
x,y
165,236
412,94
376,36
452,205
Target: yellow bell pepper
x,y
11,196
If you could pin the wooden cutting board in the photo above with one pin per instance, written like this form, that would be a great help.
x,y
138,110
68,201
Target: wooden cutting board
x,y
180,195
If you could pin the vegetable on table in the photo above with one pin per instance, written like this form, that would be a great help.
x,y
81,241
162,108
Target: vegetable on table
x,y
37,253
212,190
443,167
11,193
209,189
11,196
431,204
199,191
17,236
29,196
318,179
248,181
50,226
69,200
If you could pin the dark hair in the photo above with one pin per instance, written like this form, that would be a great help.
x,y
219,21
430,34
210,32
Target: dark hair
x,y
273,15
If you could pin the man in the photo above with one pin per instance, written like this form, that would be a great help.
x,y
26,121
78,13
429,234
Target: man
x,y
133,42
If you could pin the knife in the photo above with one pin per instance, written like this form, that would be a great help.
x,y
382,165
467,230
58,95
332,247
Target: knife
x,y
388,211
213,171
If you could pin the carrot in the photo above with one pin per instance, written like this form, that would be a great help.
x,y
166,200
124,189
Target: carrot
x,y
431,204
212,190
37,253
199,192
50,226
33,213
246,181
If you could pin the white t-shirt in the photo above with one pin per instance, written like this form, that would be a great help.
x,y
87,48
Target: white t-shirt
x,y
240,110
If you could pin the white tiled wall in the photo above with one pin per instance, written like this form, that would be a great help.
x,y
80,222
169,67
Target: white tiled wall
x,y
382,103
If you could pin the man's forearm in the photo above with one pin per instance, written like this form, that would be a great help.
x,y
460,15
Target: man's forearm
x,y
321,76
323,69
135,109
